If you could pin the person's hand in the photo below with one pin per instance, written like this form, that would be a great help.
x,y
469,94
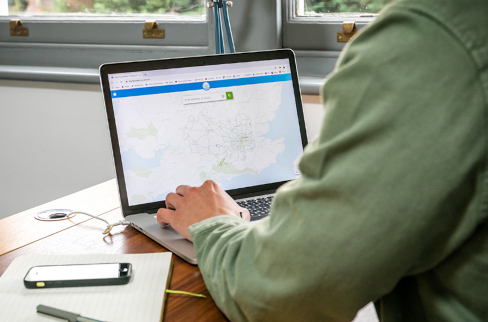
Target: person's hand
x,y
190,205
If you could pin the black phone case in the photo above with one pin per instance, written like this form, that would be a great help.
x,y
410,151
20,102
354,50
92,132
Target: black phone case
x,y
80,283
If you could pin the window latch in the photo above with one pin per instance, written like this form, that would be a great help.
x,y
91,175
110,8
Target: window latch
x,y
16,29
151,30
348,31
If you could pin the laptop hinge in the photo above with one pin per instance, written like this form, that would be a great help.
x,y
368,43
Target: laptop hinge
x,y
135,212
253,194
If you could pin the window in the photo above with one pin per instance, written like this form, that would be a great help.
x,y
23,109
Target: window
x,y
310,27
325,8
70,46
313,24
117,22
74,37
101,7
69,39
99,22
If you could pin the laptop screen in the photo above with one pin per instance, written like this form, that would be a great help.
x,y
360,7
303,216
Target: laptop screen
x,y
234,123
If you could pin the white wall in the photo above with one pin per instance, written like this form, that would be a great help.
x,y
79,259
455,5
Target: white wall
x,y
54,141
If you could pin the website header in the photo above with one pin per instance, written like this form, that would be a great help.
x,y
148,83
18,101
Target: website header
x,y
204,86
198,74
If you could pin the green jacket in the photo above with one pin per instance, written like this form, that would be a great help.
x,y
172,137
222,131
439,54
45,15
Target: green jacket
x,y
392,203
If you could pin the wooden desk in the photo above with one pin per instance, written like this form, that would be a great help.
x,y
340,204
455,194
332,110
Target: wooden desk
x,y
21,234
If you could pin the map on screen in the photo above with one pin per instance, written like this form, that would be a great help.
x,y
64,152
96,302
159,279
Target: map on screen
x,y
239,132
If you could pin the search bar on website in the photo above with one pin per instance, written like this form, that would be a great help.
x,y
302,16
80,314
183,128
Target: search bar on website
x,y
207,97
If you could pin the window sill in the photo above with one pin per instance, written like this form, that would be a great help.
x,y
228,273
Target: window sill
x,y
309,85
50,74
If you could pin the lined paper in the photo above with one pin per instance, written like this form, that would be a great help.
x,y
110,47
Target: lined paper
x,y
142,299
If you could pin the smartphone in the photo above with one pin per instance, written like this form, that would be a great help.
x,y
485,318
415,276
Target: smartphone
x,y
78,275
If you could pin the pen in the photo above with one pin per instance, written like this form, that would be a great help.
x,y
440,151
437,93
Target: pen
x,y
71,317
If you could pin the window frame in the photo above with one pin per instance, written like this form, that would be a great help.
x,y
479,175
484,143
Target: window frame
x,y
73,50
70,60
323,29
89,42
314,39
106,30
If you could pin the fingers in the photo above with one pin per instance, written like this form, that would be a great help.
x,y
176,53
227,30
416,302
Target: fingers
x,y
165,216
208,185
245,214
173,200
182,190
189,205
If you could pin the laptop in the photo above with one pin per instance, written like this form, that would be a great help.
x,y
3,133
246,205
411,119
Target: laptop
x,y
236,119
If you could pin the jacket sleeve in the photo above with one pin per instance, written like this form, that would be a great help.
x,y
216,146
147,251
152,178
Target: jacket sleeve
x,y
388,188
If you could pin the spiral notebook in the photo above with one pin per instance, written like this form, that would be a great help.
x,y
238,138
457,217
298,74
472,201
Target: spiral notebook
x,y
142,299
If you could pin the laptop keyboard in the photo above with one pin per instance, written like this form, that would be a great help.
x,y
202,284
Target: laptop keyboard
x,y
259,207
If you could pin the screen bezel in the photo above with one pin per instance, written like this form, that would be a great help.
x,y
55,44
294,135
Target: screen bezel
x,y
148,65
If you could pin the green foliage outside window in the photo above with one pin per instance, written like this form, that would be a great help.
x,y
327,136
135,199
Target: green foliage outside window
x,y
108,7
179,7
332,6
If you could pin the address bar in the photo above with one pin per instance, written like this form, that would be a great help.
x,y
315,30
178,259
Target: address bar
x,y
207,97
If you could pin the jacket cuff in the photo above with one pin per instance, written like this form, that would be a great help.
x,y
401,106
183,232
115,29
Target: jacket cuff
x,y
211,223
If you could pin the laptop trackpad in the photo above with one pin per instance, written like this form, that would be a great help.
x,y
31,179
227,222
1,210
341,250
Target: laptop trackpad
x,y
165,236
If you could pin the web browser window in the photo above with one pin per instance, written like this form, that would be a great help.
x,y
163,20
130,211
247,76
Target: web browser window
x,y
236,124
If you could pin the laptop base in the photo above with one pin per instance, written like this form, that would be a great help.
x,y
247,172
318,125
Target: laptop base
x,y
165,236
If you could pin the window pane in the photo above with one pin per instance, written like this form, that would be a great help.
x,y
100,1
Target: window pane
x,y
318,8
104,7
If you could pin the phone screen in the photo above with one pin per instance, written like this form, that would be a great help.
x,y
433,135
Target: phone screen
x,y
73,272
